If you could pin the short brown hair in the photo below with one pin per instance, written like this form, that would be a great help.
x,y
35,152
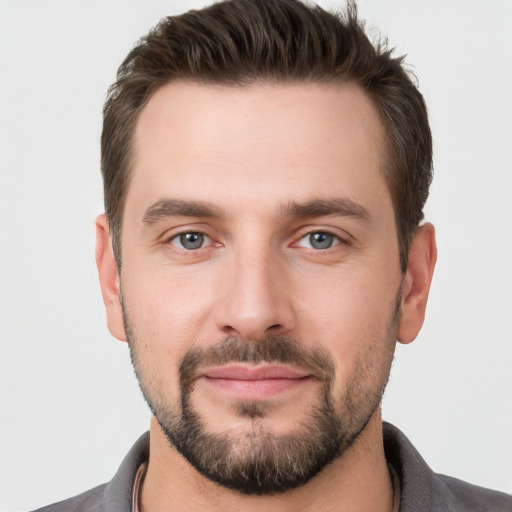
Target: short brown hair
x,y
238,42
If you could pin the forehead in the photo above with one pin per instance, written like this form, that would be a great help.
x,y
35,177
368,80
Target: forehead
x,y
264,141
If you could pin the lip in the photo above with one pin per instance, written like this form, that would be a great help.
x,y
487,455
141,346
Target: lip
x,y
240,372
254,383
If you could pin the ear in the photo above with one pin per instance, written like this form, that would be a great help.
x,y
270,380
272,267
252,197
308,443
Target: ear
x,y
416,283
109,278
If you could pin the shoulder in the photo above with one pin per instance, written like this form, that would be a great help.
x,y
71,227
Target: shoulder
x,y
89,501
116,496
454,494
422,489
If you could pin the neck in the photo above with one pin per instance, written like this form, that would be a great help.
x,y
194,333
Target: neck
x,y
358,481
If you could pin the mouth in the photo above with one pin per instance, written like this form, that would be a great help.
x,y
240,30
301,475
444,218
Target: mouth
x,y
249,382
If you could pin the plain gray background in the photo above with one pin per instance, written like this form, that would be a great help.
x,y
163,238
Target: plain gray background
x,y
69,405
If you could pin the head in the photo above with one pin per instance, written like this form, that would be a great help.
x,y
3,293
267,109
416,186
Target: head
x,y
263,200
242,42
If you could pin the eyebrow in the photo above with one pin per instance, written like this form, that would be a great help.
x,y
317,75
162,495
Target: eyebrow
x,y
321,207
315,208
179,208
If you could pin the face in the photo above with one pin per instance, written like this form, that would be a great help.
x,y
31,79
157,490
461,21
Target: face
x,y
261,287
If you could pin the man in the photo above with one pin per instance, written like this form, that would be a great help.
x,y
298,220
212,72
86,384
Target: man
x,y
265,171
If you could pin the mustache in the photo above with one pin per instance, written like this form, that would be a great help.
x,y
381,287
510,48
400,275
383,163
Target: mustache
x,y
270,349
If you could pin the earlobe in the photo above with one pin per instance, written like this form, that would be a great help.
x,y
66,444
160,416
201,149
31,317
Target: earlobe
x,y
109,278
416,283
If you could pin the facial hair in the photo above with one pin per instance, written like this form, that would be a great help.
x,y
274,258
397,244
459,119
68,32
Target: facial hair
x,y
258,461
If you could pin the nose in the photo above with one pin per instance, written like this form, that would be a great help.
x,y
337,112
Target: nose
x,y
256,299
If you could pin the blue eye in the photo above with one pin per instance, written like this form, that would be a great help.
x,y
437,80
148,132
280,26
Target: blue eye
x,y
319,240
191,241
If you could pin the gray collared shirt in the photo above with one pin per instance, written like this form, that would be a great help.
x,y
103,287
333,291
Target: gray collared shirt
x,y
420,488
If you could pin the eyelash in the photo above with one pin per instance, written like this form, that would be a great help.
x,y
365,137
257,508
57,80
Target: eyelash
x,y
337,240
177,237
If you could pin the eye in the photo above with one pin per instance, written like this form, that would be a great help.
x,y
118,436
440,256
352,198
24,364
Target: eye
x,y
191,241
319,240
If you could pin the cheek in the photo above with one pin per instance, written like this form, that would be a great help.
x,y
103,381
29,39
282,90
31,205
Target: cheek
x,y
166,316
340,302
170,307
351,316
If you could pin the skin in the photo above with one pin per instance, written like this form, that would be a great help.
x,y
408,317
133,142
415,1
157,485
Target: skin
x,y
249,152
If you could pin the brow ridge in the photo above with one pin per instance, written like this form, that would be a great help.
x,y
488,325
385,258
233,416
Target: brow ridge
x,y
165,208
344,207
322,207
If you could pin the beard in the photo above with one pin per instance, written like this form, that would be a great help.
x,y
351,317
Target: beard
x,y
258,461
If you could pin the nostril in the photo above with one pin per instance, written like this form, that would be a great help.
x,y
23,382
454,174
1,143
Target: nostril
x,y
274,327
